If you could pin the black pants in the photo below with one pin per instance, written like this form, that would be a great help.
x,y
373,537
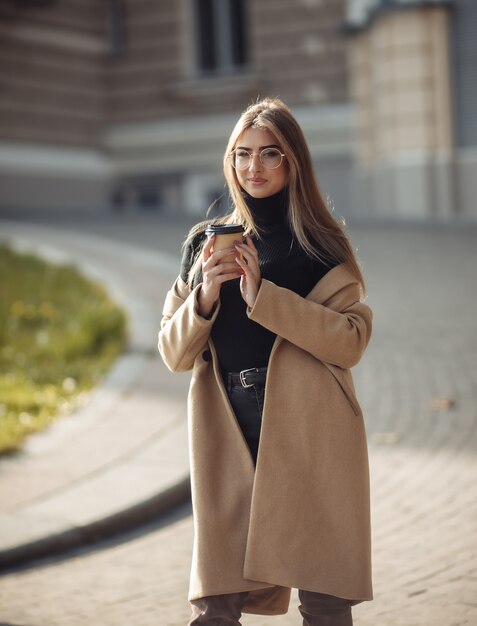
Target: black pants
x,y
247,403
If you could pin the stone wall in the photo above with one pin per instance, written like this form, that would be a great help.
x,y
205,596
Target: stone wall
x,y
294,50
52,69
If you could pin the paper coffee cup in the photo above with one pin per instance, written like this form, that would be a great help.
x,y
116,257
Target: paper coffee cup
x,y
225,237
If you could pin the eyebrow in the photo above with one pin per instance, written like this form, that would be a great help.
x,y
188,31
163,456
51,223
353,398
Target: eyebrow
x,y
273,145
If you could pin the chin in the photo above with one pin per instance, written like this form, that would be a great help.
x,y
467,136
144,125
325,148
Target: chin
x,y
259,193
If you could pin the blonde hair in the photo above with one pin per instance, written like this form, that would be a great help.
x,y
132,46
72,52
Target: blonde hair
x,y
310,220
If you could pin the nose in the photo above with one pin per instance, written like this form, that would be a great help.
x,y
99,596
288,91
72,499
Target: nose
x,y
255,163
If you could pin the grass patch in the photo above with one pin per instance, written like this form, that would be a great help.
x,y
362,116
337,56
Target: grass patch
x,y
59,334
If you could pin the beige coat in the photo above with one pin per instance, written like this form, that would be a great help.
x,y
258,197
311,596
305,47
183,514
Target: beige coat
x,y
301,518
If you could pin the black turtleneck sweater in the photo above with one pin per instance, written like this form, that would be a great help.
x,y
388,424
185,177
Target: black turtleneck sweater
x,y
240,342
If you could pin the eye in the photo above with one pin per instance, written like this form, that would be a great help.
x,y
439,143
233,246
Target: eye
x,y
242,154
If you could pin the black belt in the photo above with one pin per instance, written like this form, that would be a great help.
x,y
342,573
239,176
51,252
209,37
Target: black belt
x,y
248,378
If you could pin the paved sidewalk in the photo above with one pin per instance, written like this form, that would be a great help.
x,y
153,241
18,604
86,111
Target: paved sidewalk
x,y
122,458
417,384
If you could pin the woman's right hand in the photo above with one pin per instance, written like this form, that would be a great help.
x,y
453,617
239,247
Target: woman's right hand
x,y
215,271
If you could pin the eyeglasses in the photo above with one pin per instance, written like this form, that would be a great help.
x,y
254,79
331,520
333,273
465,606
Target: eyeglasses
x,y
271,158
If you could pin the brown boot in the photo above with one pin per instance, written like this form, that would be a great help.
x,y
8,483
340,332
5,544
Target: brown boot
x,y
221,610
320,609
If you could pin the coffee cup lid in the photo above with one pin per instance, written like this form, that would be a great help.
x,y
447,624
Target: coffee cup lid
x,y
224,229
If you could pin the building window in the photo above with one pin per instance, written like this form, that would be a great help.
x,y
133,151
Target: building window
x,y
220,35
117,28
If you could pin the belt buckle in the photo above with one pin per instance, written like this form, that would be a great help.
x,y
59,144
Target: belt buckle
x,y
242,377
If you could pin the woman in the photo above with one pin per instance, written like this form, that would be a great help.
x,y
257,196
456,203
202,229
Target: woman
x,y
279,469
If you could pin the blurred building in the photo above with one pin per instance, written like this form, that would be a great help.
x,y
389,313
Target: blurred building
x,y
112,104
413,69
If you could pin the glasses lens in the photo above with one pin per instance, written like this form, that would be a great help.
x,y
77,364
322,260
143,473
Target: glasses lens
x,y
241,159
271,158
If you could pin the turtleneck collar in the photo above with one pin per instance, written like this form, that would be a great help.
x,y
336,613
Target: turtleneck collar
x,y
268,212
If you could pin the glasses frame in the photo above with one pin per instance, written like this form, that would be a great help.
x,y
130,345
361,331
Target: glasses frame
x,y
232,156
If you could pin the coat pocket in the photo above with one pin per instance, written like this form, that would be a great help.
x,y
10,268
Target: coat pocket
x,y
345,386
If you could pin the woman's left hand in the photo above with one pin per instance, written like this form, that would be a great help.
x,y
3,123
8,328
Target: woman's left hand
x,y
251,278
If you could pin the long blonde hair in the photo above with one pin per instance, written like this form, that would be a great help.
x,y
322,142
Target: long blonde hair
x,y
310,220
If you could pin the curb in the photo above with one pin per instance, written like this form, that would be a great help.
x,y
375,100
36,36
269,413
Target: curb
x,y
29,553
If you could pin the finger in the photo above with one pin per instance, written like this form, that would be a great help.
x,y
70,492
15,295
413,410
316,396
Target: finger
x,y
251,262
220,254
247,269
248,252
223,268
249,242
251,271
215,278
207,249
215,257
232,276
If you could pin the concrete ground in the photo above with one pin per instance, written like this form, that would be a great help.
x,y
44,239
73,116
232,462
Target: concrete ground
x,y
417,384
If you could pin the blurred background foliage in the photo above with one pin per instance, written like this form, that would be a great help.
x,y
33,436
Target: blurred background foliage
x,y
59,334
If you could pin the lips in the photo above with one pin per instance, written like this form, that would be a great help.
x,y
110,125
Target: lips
x,y
257,181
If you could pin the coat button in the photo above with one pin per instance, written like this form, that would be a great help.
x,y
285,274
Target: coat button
x,y
207,355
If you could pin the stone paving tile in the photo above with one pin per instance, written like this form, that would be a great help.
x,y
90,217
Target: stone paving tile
x,y
424,505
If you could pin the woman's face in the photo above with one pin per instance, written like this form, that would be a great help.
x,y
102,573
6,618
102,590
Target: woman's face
x,y
257,180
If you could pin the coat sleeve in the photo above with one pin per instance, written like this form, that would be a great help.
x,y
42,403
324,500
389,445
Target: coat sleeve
x,y
337,333
184,333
